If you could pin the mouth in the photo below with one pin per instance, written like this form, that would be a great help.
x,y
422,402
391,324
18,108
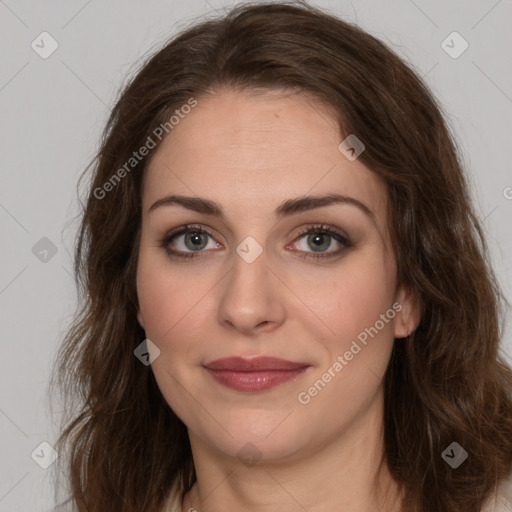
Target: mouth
x,y
256,374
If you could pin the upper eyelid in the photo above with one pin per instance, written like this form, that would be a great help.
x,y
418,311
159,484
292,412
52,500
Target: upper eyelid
x,y
322,227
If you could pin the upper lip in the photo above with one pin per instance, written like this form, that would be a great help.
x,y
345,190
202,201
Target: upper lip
x,y
241,364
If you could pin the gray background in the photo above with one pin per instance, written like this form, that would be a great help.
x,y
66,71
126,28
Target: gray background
x,y
53,110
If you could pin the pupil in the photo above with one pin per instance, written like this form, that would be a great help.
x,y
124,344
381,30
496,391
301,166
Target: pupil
x,y
316,237
195,237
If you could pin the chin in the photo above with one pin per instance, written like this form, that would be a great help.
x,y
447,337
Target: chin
x,y
256,437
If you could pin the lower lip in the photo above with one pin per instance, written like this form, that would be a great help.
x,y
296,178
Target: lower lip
x,y
256,380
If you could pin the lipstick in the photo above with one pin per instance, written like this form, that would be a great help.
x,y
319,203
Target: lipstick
x,y
256,374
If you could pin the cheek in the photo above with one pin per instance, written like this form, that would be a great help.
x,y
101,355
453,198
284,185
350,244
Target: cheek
x,y
166,303
166,298
361,292
155,298
357,353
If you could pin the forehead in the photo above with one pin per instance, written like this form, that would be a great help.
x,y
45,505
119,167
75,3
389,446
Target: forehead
x,y
252,152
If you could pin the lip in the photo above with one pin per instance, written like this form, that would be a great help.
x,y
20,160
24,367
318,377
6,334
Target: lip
x,y
256,374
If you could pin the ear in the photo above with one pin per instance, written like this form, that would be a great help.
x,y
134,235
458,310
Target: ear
x,y
409,316
139,318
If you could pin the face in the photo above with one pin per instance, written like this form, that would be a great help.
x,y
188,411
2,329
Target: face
x,y
259,274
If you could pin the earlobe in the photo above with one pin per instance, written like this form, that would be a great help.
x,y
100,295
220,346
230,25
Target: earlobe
x,y
139,318
408,317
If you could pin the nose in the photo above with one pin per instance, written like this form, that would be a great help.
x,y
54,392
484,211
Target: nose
x,y
252,300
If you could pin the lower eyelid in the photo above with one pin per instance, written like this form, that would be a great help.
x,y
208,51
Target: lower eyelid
x,y
179,252
341,239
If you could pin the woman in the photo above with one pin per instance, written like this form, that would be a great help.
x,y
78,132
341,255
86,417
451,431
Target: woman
x,y
287,298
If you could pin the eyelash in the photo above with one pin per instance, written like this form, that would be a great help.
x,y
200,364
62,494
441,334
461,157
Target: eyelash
x,y
310,229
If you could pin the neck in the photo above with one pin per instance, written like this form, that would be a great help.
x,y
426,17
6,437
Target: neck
x,y
341,474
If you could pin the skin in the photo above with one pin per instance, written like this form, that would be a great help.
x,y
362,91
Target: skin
x,y
249,153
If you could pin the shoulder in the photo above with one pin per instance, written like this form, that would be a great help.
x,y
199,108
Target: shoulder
x,y
502,501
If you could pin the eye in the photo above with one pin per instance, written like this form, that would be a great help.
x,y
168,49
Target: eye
x,y
320,238
194,238
187,240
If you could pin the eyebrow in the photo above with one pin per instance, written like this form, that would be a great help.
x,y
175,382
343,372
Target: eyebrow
x,y
287,208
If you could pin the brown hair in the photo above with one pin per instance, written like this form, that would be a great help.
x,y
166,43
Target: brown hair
x,y
125,448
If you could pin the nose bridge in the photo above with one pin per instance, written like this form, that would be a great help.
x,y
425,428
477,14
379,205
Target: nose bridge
x,y
250,295
248,281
